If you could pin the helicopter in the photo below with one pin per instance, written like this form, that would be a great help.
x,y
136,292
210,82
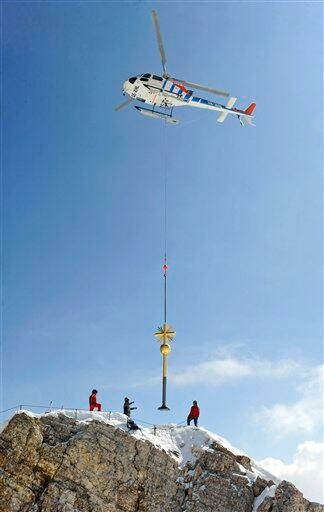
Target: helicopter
x,y
167,92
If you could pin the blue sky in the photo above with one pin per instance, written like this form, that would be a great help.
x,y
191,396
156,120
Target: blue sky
x,y
83,215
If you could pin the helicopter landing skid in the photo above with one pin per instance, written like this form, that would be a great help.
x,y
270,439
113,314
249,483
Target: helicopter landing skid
x,y
157,115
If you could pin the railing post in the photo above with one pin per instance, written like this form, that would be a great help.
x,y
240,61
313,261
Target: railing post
x,y
154,430
109,415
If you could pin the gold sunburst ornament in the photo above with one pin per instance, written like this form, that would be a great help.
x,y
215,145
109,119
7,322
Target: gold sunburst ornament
x,y
165,333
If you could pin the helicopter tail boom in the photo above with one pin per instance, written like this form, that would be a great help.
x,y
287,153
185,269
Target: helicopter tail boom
x,y
221,118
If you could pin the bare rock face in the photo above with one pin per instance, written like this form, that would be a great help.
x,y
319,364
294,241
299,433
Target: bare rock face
x,y
266,505
216,482
259,485
288,498
57,464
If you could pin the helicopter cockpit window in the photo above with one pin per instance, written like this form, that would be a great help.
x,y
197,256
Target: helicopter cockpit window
x,y
143,79
147,75
157,78
132,80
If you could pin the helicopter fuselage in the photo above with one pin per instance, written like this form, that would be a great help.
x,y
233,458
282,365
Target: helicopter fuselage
x,y
162,92
154,90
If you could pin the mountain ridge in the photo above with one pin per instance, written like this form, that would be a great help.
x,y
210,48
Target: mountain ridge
x,y
59,463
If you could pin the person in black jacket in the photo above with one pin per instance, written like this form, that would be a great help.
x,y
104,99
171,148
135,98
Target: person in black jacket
x,y
127,407
131,425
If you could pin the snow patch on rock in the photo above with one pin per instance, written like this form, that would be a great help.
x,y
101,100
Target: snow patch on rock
x,y
268,492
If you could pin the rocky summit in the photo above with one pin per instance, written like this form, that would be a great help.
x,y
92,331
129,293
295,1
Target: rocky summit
x,y
82,462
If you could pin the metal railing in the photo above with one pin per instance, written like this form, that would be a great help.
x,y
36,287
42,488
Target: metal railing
x,y
50,408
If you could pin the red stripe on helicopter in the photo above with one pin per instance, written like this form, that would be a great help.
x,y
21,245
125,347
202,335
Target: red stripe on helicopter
x,y
182,87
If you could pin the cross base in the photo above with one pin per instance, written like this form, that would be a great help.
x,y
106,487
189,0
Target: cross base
x,y
163,408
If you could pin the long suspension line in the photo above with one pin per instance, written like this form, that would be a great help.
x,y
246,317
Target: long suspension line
x,y
165,266
165,196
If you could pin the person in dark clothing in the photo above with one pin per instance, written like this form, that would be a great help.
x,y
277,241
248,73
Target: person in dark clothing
x,y
131,425
93,404
127,407
193,414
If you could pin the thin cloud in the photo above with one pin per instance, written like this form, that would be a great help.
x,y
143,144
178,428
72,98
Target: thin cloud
x,y
219,371
300,417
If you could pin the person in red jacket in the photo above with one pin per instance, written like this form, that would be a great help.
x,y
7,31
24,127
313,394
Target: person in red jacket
x,y
194,413
93,404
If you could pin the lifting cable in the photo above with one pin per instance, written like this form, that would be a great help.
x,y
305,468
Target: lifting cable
x,y
165,179
165,188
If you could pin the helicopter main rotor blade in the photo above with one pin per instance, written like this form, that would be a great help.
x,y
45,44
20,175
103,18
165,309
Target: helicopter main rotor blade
x,y
124,104
159,41
219,92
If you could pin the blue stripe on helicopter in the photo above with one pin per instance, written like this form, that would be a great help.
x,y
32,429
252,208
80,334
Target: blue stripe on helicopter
x,y
164,83
172,87
195,99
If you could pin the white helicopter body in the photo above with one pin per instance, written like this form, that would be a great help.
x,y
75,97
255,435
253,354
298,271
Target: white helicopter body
x,y
167,92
